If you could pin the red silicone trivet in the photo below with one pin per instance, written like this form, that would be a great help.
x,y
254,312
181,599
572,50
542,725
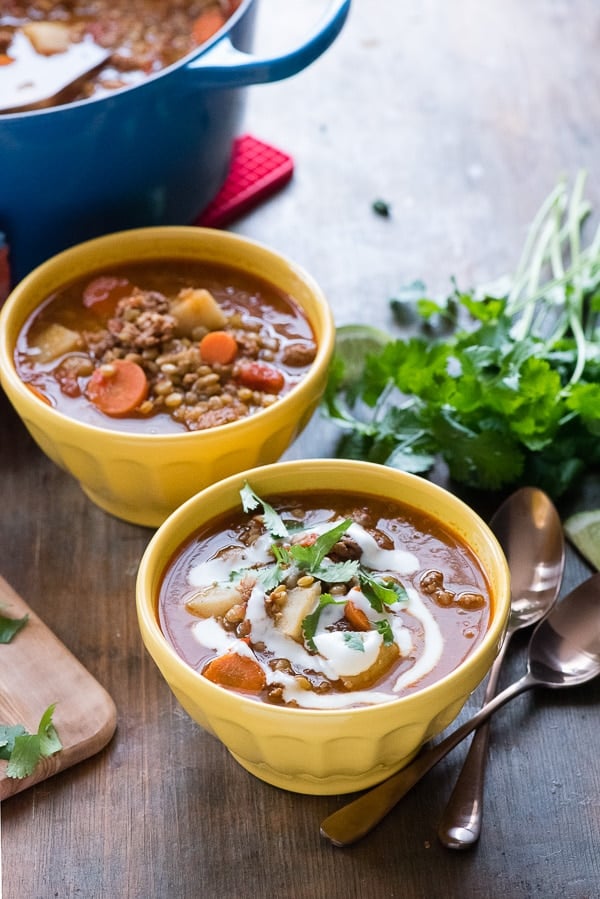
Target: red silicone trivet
x,y
257,171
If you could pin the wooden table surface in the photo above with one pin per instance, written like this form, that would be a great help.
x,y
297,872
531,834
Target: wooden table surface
x,y
462,116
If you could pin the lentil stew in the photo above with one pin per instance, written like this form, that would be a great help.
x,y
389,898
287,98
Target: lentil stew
x,y
175,345
324,601
143,36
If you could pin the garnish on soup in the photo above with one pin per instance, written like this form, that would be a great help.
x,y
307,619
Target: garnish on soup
x,y
165,346
324,601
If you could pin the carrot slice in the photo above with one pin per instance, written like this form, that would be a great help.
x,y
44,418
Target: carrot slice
x,y
260,376
118,387
5,59
218,347
39,393
234,670
356,617
207,24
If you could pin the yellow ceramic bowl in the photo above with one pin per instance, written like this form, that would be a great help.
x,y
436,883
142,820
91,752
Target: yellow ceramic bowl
x,y
322,751
144,477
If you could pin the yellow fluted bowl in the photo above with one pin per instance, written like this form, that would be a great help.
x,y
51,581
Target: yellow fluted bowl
x,y
142,478
322,751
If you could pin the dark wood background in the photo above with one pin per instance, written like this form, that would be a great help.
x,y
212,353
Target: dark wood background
x,y
462,116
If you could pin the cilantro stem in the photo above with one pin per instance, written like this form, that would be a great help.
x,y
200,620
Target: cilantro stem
x,y
548,241
521,274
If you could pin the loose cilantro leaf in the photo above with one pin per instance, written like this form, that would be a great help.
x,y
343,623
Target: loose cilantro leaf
x,y
49,741
508,392
273,522
23,750
311,622
381,207
8,734
11,626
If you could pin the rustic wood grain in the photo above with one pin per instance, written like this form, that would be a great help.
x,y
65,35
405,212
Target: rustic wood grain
x,y
462,116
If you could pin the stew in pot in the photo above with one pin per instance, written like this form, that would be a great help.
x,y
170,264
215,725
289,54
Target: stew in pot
x,y
143,36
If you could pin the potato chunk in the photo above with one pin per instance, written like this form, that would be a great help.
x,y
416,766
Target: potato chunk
x,y
213,601
387,656
196,308
48,37
300,602
55,341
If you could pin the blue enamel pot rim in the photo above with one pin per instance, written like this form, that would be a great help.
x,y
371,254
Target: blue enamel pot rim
x,y
219,64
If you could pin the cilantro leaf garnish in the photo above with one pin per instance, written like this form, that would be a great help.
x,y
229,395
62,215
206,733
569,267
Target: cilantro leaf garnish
x,y
270,577
336,572
23,750
380,593
273,522
385,629
311,622
11,626
501,382
354,640
310,557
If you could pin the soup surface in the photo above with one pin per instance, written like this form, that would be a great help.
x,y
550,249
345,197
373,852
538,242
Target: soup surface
x,y
318,600
165,347
143,36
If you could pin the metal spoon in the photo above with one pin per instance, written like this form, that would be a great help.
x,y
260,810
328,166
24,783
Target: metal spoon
x,y
529,531
564,650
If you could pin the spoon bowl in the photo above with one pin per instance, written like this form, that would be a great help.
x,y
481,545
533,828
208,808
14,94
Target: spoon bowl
x,y
564,651
529,530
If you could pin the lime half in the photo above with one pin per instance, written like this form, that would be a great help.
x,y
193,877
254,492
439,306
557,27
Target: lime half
x,y
583,530
353,343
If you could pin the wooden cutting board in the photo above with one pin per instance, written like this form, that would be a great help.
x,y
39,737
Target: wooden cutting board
x,y
36,670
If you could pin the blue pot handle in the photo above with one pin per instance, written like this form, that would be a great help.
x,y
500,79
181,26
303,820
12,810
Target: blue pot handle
x,y
222,65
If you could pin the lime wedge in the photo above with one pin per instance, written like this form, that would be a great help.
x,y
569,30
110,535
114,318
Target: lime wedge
x,y
352,345
583,530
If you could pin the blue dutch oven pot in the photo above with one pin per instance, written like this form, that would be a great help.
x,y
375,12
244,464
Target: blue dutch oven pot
x,y
153,154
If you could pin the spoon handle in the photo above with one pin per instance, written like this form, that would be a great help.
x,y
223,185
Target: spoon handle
x,y
359,817
460,825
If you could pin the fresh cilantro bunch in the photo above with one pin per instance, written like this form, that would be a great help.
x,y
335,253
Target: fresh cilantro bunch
x,y
503,382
